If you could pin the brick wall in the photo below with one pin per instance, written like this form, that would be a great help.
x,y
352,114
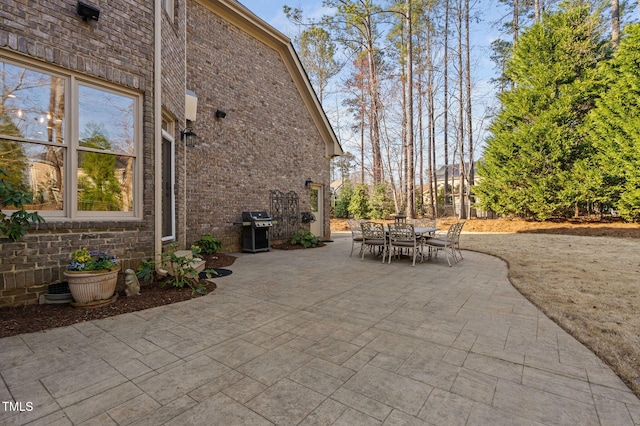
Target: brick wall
x,y
119,49
267,140
173,99
28,266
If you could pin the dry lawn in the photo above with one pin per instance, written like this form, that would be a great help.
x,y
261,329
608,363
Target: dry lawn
x,y
584,276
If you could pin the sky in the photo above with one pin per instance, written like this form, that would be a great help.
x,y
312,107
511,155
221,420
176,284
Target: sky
x,y
483,32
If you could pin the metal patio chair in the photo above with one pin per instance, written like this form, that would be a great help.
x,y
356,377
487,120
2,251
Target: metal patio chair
x,y
449,243
374,237
423,222
403,236
356,234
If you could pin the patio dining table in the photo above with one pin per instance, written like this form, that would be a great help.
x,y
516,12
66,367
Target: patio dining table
x,y
424,231
421,232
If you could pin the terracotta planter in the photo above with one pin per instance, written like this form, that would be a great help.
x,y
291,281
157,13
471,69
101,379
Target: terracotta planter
x,y
89,286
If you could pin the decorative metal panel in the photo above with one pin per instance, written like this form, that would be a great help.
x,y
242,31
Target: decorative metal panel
x,y
285,213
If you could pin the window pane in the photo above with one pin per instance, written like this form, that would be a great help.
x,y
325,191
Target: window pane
x,y
105,120
36,169
105,182
32,104
313,201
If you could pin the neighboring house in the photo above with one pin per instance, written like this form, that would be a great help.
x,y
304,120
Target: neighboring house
x,y
452,204
95,112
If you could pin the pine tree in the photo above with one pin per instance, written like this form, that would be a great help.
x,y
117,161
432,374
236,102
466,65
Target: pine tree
x,y
614,129
534,144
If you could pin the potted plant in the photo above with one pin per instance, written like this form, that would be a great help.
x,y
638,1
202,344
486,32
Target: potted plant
x,y
92,276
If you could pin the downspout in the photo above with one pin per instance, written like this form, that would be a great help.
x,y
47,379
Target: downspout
x,y
157,117
183,206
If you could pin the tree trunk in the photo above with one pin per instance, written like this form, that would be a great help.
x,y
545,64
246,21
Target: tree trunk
x,y
446,104
516,21
411,169
461,134
470,177
615,23
419,90
374,109
362,123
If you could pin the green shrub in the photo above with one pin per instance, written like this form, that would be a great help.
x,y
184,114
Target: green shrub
x,y
16,225
359,202
184,274
380,205
145,270
305,238
342,203
209,244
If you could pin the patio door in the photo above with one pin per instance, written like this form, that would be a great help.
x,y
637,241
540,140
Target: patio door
x,y
317,208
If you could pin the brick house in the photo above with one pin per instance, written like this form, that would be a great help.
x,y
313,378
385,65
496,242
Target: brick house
x,y
92,119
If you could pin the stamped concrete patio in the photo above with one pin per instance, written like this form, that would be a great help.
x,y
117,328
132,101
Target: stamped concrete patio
x,y
314,337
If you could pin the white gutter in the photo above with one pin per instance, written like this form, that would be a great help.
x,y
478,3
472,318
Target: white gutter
x,y
157,117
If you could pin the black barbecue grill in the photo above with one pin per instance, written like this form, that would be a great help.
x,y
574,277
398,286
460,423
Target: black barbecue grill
x,y
255,231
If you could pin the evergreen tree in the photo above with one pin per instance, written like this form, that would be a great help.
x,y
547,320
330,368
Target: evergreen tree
x,y
534,144
99,188
13,159
359,204
344,199
614,129
380,205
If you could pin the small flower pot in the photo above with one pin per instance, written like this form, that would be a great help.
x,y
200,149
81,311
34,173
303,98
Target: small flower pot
x,y
90,286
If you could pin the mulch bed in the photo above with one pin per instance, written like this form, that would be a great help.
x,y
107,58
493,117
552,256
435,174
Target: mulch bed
x,y
289,246
31,318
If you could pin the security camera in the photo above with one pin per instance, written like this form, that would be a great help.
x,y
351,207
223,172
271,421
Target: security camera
x,y
87,11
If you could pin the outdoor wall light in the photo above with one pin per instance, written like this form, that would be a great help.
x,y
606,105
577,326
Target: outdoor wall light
x,y
307,183
220,114
189,136
87,11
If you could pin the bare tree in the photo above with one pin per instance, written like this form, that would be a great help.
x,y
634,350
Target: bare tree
x,y
470,168
317,53
411,171
615,23
447,9
354,26
516,21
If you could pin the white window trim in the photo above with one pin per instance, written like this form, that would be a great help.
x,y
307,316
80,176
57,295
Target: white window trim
x,y
169,7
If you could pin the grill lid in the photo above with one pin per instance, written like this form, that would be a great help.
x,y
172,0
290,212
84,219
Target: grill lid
x,y
255,216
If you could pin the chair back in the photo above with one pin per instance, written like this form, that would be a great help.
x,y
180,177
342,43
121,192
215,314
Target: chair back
x,y
402,232
458,230
424,222
356,228
373,231
453,234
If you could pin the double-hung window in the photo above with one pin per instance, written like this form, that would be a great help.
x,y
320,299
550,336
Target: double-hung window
x,y
72,144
